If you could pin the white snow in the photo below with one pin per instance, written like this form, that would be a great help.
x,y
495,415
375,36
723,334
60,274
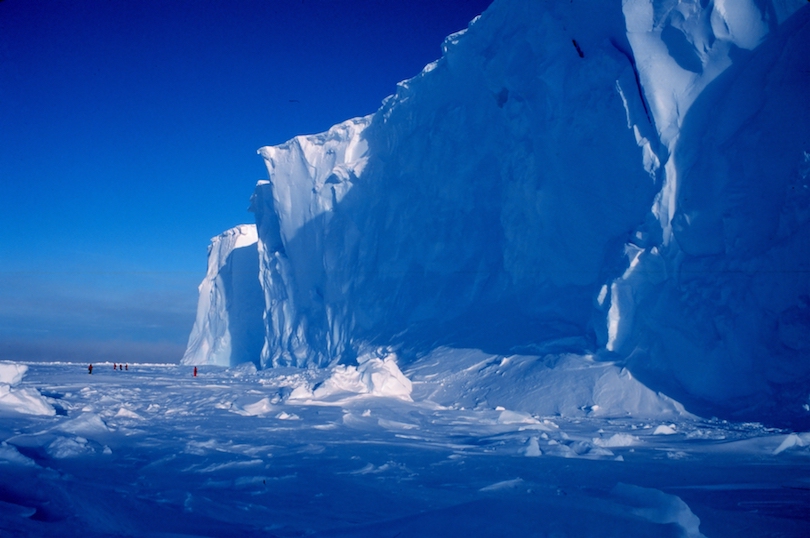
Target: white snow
x,y
663,429
377,374
524,385
794,440
504,484
255,408
617,440
87,424
659,507
126,413
533,450
69,447
14,399
235,441
11,373
10,455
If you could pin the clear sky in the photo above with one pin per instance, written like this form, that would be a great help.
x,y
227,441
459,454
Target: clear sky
x,y
128,138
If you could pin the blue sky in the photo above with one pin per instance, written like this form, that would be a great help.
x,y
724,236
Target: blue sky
x,y
128,137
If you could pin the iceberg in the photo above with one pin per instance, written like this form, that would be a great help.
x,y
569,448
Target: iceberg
x,y
623,179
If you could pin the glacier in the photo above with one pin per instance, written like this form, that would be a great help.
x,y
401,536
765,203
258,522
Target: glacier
x,y
627,180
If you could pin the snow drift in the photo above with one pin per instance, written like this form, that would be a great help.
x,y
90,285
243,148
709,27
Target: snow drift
x,y
621,178
566,385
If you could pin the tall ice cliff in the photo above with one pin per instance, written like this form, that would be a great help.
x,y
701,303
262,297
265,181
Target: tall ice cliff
x,y
624,178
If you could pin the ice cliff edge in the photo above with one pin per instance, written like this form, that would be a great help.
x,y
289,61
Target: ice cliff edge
x,y
228,329
629,177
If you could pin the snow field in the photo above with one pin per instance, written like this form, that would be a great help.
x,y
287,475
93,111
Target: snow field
x,y
155,451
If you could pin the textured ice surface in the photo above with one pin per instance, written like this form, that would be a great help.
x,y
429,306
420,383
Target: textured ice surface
x,y
15,399
11,373
154,451
718,291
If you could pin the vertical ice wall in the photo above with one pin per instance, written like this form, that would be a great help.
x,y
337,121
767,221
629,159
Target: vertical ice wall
x,y
228,329
483,206
715,298
310,175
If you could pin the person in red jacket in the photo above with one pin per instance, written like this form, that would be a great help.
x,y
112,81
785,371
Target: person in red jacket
x,y
195,371
90,369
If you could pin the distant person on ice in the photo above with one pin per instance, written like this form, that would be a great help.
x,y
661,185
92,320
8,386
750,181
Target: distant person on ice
x,y
90,369
195,371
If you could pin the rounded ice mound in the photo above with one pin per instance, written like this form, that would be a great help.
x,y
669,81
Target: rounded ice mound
x,y
521,386
27,400
86,424
11,373
376,374
243,369
382,376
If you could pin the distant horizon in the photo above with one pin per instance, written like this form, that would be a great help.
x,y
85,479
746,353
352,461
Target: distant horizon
x,y
134,131
85,364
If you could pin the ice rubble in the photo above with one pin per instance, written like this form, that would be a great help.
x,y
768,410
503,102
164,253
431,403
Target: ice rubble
x,y
629,179
14,399
376,374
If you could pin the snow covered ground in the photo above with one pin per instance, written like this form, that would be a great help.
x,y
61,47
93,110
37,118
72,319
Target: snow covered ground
x,y
563,446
